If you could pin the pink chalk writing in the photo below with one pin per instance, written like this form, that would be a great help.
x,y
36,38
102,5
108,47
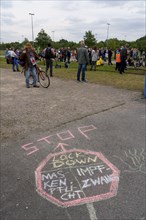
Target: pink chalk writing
x,y
51,140
31,149
65,135
61,145
45,139
86,129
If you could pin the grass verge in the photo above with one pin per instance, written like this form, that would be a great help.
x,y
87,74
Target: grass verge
x,y
132,79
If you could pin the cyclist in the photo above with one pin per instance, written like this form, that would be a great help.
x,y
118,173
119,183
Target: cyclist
x,y
29,57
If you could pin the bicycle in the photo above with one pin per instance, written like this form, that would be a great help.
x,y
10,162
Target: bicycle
x,y
42,77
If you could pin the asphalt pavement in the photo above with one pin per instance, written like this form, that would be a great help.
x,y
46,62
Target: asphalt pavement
x,y
74,151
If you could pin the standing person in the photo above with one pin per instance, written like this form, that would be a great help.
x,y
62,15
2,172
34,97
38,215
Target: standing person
x,y
49,55
123,54
7,56
29,57
64,55
94,56
110,53
14,59
68,54
118,60
90,55
105,54
83,60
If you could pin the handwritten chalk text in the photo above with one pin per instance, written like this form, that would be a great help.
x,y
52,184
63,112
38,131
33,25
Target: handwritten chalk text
x,y
73,159
50,140
91,170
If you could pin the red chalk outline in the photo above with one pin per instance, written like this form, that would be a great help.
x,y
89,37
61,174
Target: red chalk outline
x,y
112,191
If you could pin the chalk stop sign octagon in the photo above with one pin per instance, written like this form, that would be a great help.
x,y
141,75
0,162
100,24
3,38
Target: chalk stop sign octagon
x,y
74,177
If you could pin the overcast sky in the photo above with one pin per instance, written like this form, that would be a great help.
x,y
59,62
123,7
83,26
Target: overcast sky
x,y
70,19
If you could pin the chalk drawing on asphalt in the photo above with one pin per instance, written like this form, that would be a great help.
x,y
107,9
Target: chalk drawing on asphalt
x,y
74,177
134,160
31,148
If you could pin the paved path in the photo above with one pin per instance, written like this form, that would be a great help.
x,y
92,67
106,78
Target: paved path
x,y
72,151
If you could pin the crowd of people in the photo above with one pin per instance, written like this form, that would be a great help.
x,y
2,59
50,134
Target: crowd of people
x,y
83,55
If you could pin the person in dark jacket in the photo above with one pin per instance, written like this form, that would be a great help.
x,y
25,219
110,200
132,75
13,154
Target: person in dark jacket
x,y
110,53
49,56
83,60
29,57
123,55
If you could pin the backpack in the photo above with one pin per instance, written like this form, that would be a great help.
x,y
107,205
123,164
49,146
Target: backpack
x,y
48,53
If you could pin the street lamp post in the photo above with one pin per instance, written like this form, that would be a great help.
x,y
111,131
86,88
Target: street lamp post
x,y
96,37
53,35
32,26
108,24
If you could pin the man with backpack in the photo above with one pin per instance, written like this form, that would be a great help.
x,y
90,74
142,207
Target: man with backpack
x,y
49,56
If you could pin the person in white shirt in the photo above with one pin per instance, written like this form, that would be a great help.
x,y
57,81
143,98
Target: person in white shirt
x,y
94,57
14,57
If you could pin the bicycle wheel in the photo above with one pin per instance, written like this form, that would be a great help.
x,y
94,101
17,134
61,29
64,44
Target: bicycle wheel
x,y
43,79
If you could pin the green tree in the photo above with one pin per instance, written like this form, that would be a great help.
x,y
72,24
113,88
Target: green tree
x,y
89,39
63,43
113,43
141,43
101,44
25,40
42,39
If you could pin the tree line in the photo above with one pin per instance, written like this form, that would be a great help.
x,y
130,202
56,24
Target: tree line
x,y
43,38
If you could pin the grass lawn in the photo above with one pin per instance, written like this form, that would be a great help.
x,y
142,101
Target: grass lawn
x,y
132,79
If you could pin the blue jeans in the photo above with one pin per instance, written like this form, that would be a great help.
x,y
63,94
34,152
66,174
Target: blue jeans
x,y
31,71
81,67
14,63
